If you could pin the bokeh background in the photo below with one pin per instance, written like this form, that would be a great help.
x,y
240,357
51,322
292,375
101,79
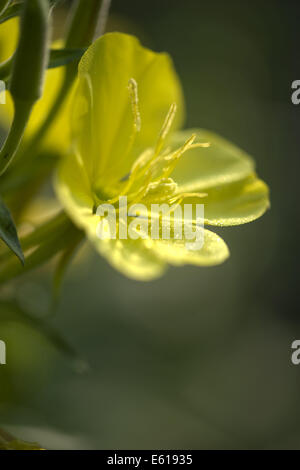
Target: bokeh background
x,y
200,359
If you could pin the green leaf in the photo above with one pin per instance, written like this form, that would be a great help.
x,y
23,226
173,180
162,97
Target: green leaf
x,y
11,12
8,12
60,57
8,232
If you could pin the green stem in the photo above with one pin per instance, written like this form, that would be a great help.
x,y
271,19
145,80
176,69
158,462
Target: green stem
x,y
83,23
40,235
5,68
103,17
10,147
55,241
46,230
26,83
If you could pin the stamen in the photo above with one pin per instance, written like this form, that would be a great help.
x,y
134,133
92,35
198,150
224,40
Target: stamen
x,y
177,200
161,189
141,162
174,157
181,196
134,98
142,191
188,143
133,93
166,128
150,165
200,144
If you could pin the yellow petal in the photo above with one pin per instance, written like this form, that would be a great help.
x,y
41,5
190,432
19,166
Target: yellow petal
x,y
57,137
73,190
106,102
213,252
234,203
137,259
237,203
8,38
202,168
8,43
131,257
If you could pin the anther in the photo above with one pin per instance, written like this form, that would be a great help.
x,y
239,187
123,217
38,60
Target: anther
x,y
133,93
166,128
200,145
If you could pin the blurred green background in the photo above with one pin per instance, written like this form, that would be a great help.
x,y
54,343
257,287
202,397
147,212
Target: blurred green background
x,y
201,358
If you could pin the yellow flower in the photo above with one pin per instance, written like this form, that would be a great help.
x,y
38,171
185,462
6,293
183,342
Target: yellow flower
x,y
126,115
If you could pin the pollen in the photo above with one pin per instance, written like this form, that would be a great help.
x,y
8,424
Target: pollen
x,y
166,128
134,98
149,177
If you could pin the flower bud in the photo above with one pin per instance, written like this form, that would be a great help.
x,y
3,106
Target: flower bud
x,y
32,53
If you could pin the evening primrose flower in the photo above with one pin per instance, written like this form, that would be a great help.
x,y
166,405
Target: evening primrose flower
x,y
126,115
